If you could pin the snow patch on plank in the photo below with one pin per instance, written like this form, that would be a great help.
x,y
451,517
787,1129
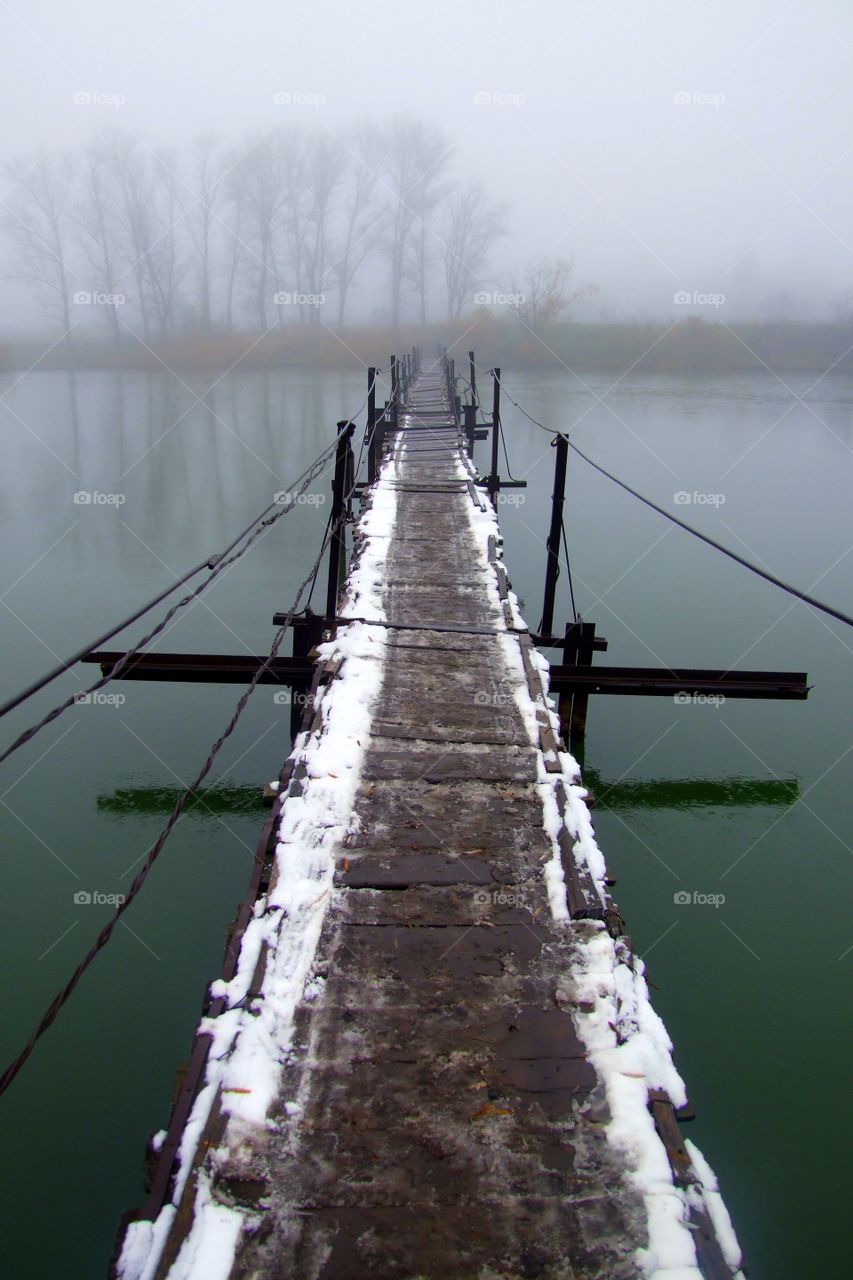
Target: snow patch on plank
x,y
209,1248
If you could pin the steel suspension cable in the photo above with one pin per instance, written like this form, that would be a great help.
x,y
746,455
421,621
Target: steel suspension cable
x,y
772,578
219,564
209,562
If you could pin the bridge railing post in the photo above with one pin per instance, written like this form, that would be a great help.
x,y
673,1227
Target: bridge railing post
x,y
395,393
578,649
552,545
370,425
349,475
307,633
493,483
470,427
340,498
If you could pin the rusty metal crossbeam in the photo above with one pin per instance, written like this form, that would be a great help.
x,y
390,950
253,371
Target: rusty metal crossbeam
x,y
215,668
222,668
688,681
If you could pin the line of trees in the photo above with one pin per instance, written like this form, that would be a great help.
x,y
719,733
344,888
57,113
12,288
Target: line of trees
x,y
219,236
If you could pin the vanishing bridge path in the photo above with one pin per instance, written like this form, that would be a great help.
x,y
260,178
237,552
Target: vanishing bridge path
x,y
434,1054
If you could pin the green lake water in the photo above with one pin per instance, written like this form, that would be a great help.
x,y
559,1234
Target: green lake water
x,y
748,800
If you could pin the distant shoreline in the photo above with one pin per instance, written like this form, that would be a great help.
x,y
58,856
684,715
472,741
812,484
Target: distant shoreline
x,y
692,345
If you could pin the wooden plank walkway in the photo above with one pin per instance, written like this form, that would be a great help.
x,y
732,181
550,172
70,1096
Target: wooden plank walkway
x,y
440,1110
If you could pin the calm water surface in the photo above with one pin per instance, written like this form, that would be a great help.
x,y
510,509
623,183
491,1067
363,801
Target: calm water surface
x,y
748,800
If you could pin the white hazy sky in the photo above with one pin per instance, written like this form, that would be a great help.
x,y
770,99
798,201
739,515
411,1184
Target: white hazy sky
x,y
745,187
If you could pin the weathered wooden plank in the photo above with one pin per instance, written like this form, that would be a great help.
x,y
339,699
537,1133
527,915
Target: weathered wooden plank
x,y
434,764
444,903
467,818
400,870
412,602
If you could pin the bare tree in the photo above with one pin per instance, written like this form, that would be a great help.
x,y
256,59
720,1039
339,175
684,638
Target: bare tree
x,y
431,156
545,292
473,224
260,173
234,218
325,166
292,229
360,212
133,212
97,221
201,206
166,259
400,173
38,218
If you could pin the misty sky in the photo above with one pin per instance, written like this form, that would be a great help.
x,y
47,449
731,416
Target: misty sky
x,y
742,187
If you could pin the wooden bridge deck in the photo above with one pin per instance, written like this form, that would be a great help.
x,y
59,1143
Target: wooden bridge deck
x,y
438,1109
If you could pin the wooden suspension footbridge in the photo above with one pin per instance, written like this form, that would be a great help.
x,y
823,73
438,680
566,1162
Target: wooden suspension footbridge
x,y
431,1051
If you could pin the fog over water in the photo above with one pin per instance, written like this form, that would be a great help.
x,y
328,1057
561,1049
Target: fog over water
x,y
663,150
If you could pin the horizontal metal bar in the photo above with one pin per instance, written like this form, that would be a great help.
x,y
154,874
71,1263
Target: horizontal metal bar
x,y
221,668
599,644
214,668
654,681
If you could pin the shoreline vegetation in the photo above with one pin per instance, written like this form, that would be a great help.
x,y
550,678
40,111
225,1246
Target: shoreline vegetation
x,y
692,345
